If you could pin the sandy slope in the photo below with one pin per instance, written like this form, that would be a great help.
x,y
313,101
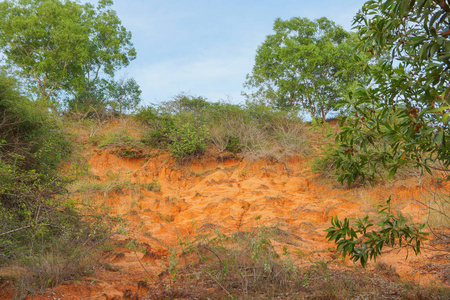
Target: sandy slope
x,y
230,195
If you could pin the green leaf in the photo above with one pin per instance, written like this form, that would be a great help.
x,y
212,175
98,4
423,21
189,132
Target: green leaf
x,y
439,109
392,172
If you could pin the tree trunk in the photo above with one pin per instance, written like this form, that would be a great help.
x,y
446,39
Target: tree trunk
x,y
324,114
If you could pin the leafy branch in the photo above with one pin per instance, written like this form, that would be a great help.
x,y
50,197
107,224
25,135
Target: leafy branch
x,y
365,243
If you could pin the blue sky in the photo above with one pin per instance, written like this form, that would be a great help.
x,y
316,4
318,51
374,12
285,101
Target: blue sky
x,y
206,48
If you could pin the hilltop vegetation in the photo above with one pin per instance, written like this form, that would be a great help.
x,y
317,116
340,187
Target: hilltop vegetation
x,y
188,125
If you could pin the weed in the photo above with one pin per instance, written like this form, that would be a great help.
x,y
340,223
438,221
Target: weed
x,y
166,218
386,270
153,186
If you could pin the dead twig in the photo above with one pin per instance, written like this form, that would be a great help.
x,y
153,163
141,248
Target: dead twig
x,y
15,230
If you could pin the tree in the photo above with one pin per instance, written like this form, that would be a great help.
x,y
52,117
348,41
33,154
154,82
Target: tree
x,y
63,45
301,65
124,95
401,116
106,97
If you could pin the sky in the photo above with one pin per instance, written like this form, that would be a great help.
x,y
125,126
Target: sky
x,y
207,47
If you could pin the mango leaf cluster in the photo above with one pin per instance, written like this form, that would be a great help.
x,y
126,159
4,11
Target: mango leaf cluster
x,y
365,243
401,115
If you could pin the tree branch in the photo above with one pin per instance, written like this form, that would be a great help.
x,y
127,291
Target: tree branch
x,y
15,230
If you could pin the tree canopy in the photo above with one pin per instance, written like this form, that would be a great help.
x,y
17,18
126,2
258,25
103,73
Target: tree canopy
x,y
401,115
63,46
301,63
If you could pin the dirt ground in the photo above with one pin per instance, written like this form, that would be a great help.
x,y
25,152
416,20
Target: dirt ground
x,y
165,204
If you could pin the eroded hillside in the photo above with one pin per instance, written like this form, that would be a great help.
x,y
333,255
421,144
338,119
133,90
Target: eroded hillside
x,y
165,210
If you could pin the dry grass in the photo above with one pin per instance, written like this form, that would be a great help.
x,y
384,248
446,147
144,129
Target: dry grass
x,y
245,265
438,206
46,271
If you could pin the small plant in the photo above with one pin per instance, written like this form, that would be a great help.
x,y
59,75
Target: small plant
x,y
363,245
153,186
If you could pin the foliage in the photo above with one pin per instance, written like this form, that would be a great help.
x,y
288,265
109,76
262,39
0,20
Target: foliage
x,y
41,227
301,63
401,116
363,244
187,140
188,125
233,144
175,126
124,95
159,125
30,140
64,47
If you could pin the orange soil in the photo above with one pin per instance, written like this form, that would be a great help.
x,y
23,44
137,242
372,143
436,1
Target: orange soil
x,y
231,195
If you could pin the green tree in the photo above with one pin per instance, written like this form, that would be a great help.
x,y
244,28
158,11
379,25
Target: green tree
x,y
106,96
124,95
301,63
63,45
401,116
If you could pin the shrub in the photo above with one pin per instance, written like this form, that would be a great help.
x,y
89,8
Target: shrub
x,y
364,244
36,215
187,140
329,162
234,144
187,125
159,125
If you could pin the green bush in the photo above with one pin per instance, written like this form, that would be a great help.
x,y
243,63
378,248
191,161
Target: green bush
x,y
364,243
330,162
234,144
187,140
36,215
187,125
159,126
